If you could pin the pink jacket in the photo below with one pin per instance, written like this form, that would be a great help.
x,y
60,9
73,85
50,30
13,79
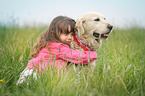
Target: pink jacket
x,y
59,54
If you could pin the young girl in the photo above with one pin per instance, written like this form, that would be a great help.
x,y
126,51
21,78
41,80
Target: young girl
x,y
52,49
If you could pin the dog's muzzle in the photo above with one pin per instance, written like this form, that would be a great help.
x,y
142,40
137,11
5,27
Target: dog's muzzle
x,y
102,36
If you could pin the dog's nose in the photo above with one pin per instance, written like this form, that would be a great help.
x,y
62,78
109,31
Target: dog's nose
x,y
110,27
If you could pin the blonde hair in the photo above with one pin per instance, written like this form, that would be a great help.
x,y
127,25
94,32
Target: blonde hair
x,y
60,24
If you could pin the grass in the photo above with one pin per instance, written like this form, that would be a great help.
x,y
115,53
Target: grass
x,y
120,69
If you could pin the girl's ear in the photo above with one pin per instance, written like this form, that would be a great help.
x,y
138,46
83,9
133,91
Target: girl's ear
x,y
79,25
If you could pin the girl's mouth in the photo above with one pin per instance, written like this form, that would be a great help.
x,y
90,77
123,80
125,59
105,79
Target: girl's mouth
x,y
68,42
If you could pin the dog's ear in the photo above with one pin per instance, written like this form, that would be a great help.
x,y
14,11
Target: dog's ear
x,y
79,25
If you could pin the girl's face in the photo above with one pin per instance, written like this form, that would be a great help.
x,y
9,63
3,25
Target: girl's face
x,y
67,38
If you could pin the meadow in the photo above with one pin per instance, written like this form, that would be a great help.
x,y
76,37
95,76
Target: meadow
x,y
119,71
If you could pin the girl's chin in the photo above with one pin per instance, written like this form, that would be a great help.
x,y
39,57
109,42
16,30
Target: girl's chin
x,y
68,43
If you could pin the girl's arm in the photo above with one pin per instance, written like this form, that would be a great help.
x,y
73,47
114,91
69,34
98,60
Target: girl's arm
x,y
76,56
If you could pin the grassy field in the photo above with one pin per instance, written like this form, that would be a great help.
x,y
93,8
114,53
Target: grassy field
x,y
120,69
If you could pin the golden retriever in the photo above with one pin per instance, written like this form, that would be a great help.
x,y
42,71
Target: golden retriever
x,y
91,29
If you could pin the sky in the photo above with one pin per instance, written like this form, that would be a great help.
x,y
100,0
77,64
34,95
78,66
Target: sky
x,y
120,13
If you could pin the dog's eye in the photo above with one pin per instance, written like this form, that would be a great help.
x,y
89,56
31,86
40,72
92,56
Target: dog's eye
x,y
97,19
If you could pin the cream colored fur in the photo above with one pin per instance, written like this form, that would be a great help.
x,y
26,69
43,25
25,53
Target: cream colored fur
x,y
86,25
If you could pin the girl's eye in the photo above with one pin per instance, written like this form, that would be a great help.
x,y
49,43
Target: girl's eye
x,y
72,34
97,19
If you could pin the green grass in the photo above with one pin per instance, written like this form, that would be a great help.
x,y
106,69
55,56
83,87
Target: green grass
x,y
120,67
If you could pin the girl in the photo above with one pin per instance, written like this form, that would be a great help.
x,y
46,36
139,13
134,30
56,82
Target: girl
x,y
52,49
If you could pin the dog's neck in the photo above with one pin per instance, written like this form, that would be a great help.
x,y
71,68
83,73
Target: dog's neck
x,y
95,44
82,44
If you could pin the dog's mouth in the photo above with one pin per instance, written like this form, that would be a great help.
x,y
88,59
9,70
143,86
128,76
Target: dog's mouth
x,y
101,36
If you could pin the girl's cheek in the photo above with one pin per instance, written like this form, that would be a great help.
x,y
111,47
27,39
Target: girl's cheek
x,y
73,38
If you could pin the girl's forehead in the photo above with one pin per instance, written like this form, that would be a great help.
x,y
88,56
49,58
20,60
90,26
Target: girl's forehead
x,y
69,28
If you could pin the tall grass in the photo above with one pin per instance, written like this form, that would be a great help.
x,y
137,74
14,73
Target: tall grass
x,y
120,67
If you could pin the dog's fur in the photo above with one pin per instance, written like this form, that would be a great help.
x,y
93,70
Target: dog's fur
x,y
92,28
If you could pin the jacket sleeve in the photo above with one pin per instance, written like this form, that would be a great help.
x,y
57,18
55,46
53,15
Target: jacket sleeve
x,y
76,56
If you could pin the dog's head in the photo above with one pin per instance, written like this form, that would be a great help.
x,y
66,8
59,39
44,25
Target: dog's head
x,y
94,25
